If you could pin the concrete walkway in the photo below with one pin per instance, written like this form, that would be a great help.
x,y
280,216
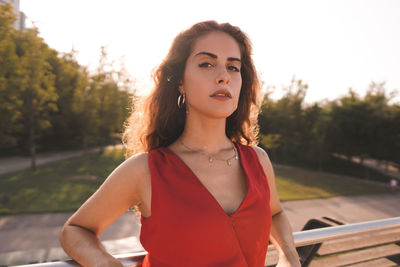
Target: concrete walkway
x,y
34,238
392,170
12,164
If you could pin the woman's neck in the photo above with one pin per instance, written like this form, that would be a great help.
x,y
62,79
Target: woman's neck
x,y
206,134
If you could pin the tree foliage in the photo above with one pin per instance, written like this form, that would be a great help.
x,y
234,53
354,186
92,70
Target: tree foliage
x,y
9,68
49,101
351,126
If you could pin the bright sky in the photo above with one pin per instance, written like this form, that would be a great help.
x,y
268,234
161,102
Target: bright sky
x,y
331,45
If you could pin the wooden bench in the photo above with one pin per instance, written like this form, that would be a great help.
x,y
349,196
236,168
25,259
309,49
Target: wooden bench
x,y
378,248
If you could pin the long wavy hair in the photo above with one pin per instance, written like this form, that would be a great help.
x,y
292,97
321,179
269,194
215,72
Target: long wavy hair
x,y
156,121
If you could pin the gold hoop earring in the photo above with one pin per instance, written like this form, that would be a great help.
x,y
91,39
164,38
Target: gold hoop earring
x,y
181,100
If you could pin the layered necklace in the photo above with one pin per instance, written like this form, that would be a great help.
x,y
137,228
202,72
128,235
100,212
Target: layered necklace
x,y
212,157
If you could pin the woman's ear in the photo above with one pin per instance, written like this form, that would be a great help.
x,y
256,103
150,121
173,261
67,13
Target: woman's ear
x,y
181,87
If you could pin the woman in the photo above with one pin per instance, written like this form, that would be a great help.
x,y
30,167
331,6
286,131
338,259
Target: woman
x,y
206,194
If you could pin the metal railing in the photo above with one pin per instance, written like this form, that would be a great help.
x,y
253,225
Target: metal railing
x,y
303,238
315,236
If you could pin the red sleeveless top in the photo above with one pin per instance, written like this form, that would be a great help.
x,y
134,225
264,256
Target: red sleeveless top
x,y
188,227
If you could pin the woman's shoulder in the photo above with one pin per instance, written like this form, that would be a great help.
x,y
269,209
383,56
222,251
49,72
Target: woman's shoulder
x,y
134,174
138,157
263,158
132,171
137,163
261,154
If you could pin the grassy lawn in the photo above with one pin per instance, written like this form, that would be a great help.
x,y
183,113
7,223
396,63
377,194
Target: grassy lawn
x,y
295,183
58,186
65,185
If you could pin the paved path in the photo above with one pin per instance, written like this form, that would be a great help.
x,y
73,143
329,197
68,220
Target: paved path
x,y
347,209
392,169
34,238
11,164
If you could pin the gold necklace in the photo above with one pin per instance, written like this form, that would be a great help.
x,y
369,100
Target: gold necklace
x,y
211,157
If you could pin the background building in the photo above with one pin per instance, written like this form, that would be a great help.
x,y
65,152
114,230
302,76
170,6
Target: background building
x,y
19,23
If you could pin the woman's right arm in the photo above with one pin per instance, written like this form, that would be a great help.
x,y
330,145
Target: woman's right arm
x,y
123,189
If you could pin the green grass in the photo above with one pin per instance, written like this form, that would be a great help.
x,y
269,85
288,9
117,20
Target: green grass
x,y
58,186
295,183
65,185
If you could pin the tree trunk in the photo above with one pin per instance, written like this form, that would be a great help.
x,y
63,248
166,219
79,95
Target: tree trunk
x,y
33,157
32,148
319,162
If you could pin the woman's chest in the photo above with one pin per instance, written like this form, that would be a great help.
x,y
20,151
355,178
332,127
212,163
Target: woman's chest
x,y
228,187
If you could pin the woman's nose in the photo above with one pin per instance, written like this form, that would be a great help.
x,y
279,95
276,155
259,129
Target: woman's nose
x,y
223,76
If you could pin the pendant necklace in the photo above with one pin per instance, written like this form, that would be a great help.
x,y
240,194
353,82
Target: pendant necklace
x,y
211,157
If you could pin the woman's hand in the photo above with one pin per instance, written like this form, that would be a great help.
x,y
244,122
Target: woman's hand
x,y
285,262
121,190
111,263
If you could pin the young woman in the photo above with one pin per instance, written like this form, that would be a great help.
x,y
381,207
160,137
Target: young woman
x,y
206,193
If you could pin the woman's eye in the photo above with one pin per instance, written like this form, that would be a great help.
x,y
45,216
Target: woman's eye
x,y
233,68
205,65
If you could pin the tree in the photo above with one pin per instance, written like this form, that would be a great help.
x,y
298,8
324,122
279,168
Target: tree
x,y
9,68
282,123
350,123
383,131
393,142
322,145
363,127
70,82
36,87
111,100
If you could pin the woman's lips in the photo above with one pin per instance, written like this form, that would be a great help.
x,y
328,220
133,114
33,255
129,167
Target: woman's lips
x,y
221,97
222,94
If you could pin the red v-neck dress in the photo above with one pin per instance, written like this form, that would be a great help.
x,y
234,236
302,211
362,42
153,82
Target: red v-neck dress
x,y
188,227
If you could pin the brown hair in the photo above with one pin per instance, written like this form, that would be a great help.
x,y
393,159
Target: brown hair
x,y
156,121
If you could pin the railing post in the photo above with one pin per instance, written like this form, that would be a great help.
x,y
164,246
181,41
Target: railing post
x,y
307,253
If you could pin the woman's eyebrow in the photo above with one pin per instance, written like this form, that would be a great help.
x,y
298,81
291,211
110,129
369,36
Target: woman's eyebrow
x,y
215,56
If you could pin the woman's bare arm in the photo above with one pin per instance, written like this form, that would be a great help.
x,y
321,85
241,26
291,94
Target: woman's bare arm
x,y
120,191
281,234
282,239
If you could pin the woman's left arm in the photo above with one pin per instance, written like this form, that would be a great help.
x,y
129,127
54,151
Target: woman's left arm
x,y
281,234
282,238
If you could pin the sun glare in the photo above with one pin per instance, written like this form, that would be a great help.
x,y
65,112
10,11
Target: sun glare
x,y
329,45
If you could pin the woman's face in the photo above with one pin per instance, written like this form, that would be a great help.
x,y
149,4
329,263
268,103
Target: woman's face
x,y
212,79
